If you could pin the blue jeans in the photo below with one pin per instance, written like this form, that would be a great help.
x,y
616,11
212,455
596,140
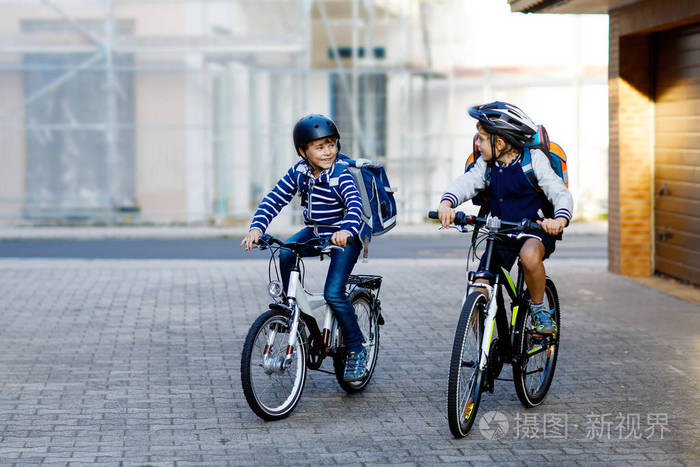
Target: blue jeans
x,y
339,271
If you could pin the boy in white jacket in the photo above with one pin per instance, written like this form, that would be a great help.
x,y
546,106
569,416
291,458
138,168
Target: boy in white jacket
x,y
503,131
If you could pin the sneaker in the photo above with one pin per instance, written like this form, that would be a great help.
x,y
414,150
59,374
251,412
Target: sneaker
x,y
355,366
543,319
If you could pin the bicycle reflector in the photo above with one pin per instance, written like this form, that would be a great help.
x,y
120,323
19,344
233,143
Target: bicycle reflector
x,y
274,289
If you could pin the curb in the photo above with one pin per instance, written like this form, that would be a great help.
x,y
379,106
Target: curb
x,y
184,232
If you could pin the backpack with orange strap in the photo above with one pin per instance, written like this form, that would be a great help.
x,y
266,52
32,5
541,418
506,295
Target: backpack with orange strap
x,y
541,141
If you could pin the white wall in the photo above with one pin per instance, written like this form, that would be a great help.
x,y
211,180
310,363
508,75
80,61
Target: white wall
x,y
553,66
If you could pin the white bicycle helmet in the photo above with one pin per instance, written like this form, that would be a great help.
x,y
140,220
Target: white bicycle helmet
x,y
505,120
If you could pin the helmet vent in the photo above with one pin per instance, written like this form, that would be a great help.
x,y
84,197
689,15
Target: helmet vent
x,y
313,127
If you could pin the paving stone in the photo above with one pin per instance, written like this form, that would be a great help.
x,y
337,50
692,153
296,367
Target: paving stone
x,y
138,362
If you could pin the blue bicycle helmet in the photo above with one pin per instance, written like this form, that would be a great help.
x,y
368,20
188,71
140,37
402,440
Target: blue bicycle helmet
x,y
313,127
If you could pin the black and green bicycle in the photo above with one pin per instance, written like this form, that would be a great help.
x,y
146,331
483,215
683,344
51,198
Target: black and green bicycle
x,y
477,355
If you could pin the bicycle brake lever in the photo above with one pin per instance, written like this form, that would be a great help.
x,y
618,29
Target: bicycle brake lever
x,y
461,228
327,249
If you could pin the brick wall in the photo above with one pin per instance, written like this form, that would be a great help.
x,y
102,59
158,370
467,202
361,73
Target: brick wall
x,y
631,128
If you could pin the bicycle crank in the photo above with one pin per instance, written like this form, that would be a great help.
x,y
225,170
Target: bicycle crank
x,y
495,365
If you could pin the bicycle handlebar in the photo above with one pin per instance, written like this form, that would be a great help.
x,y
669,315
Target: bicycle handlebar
x,y
322,244
462,218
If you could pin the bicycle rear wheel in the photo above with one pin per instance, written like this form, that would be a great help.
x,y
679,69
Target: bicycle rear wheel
x,y
367,321
272,391
538,354
464,384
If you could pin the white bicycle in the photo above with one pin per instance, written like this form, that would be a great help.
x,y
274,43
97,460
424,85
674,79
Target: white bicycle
x,y
285,341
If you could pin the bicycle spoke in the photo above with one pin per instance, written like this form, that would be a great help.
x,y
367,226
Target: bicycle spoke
x,y
264,390
468,392
273,390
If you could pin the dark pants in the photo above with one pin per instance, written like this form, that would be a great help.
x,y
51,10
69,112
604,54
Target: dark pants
x,y
342,263
506,253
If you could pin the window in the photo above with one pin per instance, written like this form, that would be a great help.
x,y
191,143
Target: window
x,y
371,111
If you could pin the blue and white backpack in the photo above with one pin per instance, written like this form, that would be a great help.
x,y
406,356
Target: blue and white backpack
x,y
378,203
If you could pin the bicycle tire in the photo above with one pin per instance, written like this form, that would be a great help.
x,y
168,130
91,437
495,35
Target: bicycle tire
x,y
470,329
253,375
361,297
525,343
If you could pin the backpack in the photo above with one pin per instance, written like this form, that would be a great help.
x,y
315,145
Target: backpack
x,y
541,141
378,203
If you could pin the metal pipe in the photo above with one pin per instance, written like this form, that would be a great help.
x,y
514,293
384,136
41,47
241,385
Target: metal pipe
x,y
52,85
357,129
77,26
355,90
111,106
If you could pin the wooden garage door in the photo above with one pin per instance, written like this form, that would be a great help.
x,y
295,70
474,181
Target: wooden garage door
x,y
677,153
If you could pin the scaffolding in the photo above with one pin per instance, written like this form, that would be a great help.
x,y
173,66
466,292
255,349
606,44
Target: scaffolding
x,y
181,110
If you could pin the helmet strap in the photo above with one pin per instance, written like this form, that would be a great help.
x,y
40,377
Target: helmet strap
x,y
302,154
308,162
497,156
494,157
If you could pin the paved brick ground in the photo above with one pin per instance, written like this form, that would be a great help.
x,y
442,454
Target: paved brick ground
x,y
131,362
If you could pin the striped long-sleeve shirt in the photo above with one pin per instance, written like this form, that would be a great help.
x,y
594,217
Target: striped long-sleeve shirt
x,y
323,208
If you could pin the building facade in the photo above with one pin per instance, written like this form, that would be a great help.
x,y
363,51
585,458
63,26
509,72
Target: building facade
x,y
654,95
181,111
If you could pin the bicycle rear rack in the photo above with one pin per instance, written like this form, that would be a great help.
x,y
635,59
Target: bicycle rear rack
x,y
367,281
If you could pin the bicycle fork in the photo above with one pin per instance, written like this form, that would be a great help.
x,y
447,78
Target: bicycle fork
x,y
489,322
270,363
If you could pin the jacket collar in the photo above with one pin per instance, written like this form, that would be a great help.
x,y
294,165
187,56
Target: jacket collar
x,y
516,160
325,175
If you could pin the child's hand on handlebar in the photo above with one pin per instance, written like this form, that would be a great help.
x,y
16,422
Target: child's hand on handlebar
x,y
446,214
252,237
340,238
553,226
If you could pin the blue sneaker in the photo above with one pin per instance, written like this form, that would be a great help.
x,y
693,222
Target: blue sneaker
x,y
543,319
355,366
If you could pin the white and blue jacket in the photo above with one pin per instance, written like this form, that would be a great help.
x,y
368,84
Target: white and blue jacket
x,y
512,197
331,203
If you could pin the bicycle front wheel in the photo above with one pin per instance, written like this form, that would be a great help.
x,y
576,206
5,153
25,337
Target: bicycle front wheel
x,y
464,385
271,387
537,353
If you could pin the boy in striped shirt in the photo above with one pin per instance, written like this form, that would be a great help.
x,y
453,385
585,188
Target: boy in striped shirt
x,y
316,139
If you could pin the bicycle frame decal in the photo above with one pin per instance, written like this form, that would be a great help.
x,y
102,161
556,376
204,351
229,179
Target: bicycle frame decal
x,y
509,280
489,323
515,314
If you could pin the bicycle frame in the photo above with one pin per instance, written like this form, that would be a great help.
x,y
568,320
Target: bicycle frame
x,y
496,302
285,342
301,303
516,342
